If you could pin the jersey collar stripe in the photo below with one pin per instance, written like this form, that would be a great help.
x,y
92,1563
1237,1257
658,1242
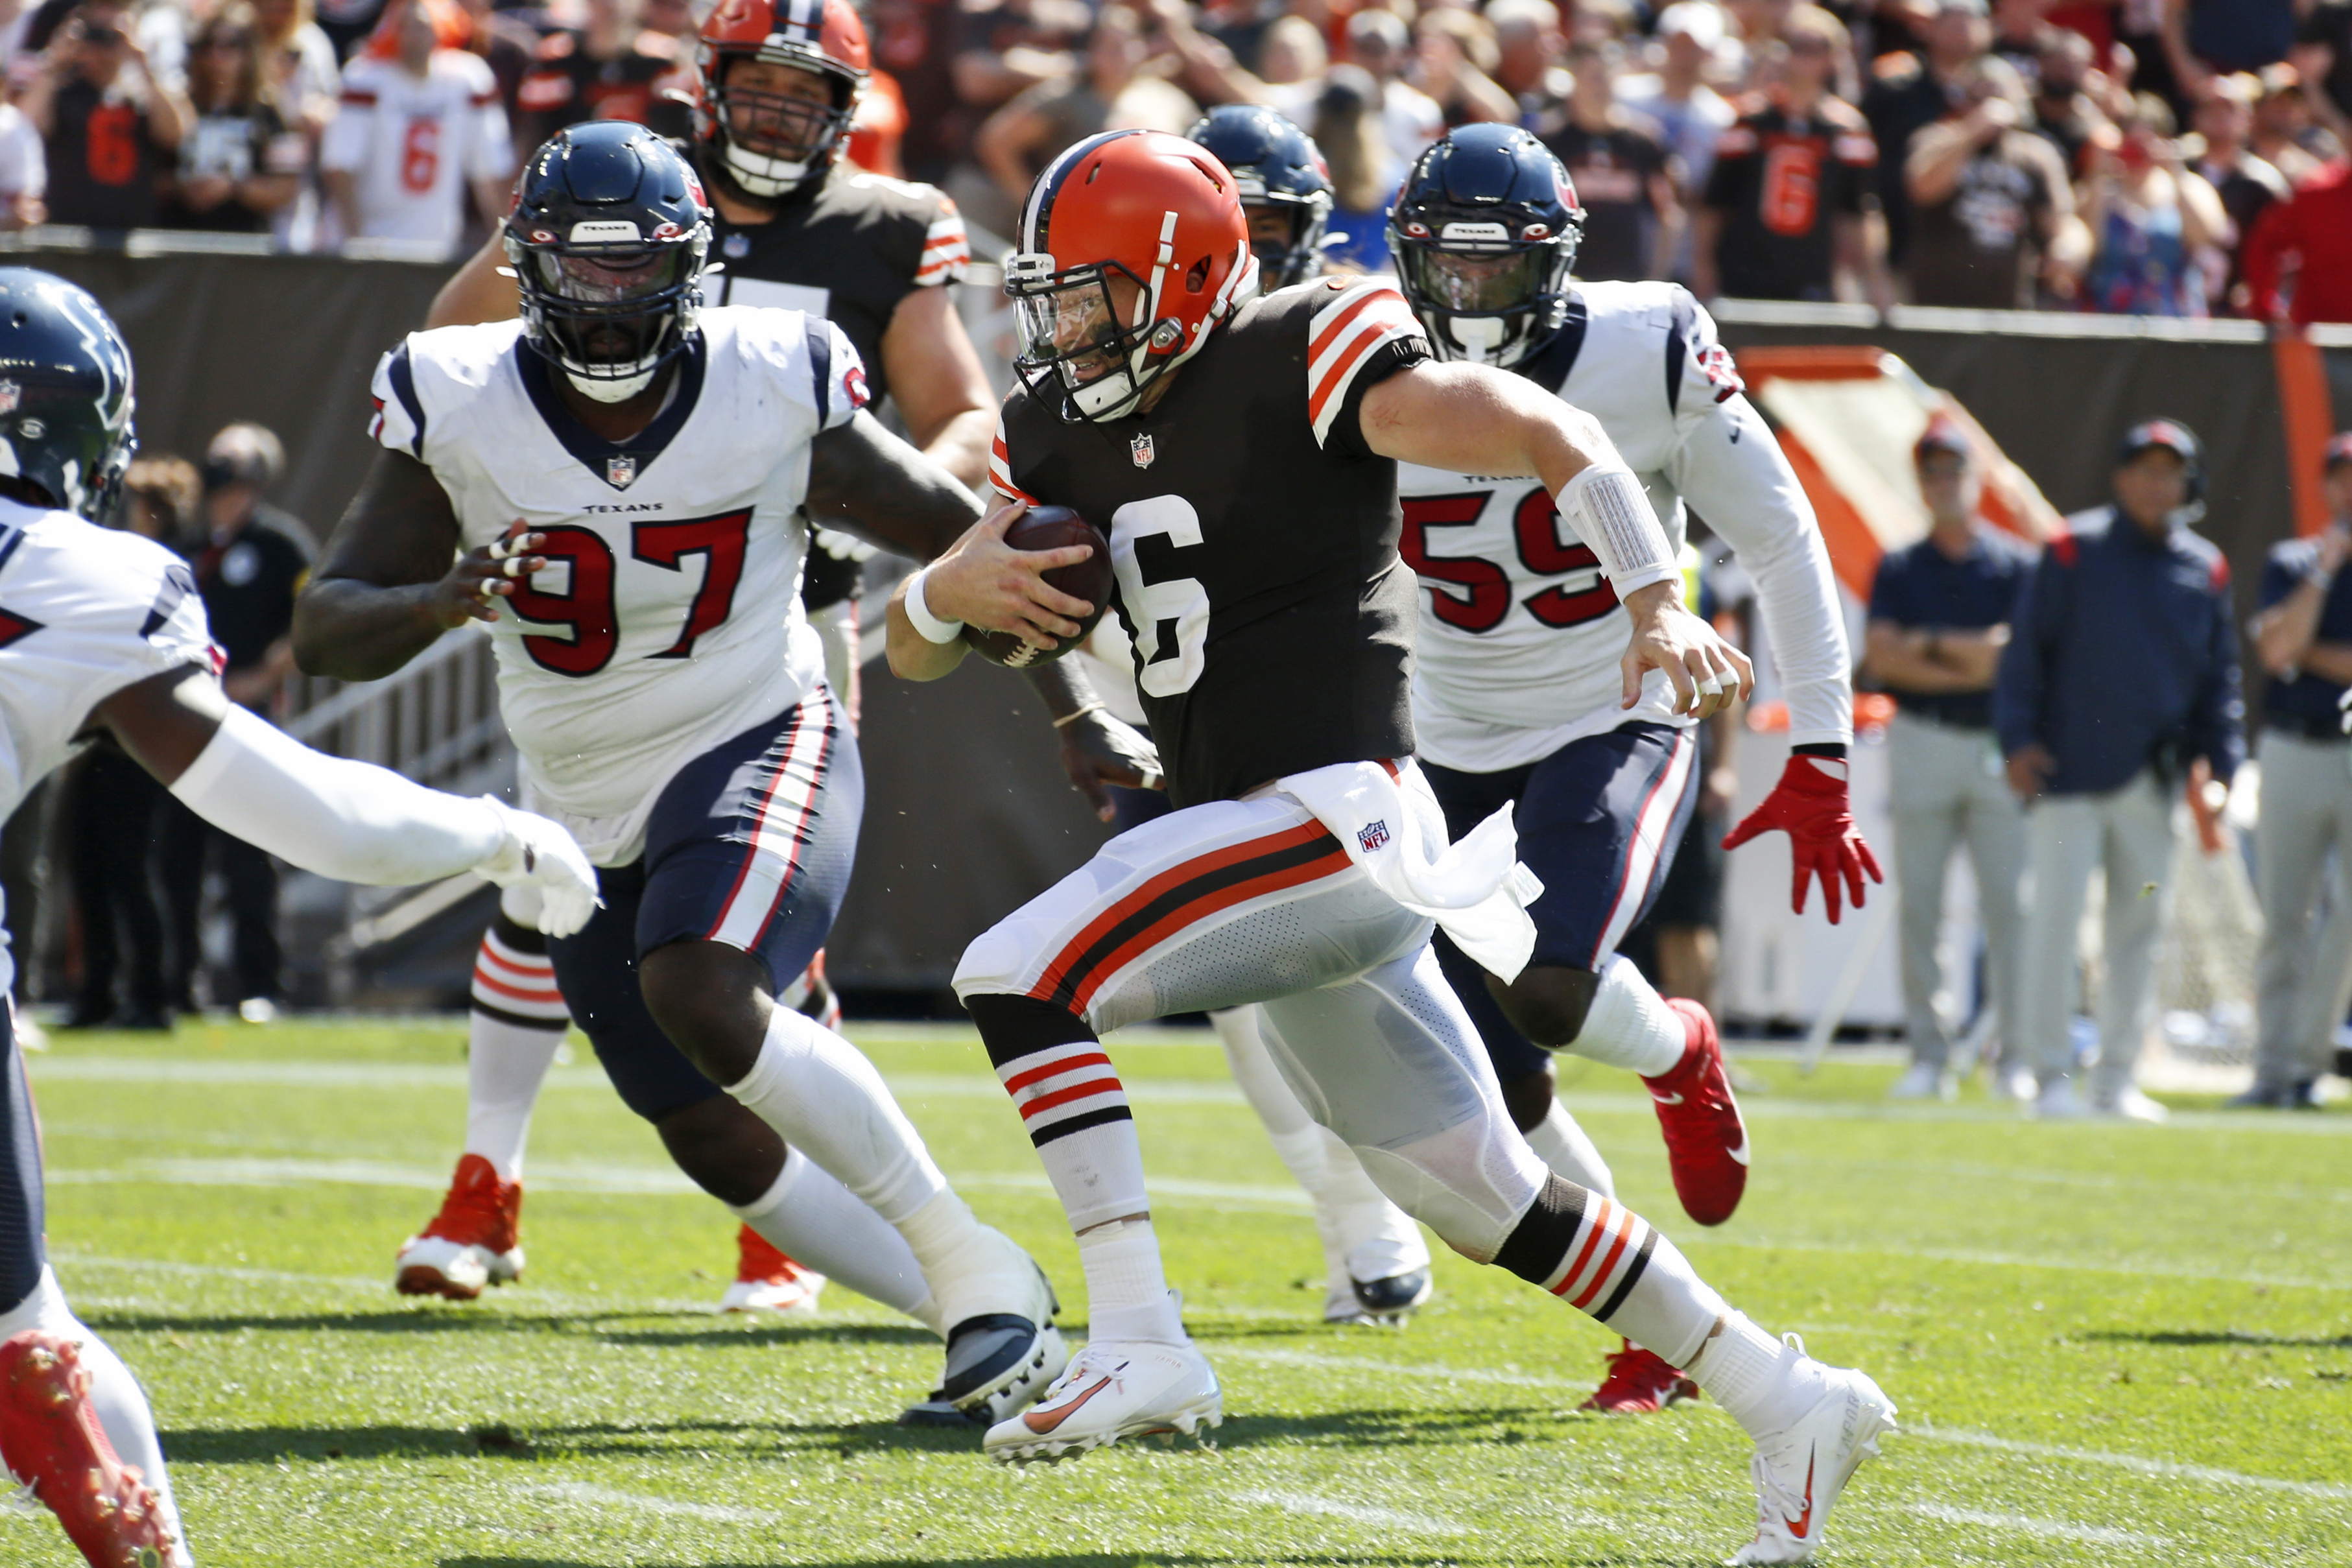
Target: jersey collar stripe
x,y
593,451
820,350
11,536
402,376
1551,367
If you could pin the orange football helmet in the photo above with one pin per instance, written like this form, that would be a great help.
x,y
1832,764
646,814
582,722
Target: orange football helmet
x,y
1152,211
770,143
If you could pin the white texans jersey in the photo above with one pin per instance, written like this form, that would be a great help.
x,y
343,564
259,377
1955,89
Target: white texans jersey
x,y
84,612
1521,634
668,616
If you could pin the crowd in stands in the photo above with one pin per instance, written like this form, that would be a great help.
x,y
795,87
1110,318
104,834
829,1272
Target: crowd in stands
x,y
2163,157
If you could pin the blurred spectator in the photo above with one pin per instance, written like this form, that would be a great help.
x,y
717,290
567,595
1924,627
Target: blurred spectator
x,y
2121,673
1939,614
1909,92
2246,185
1347,125
1996,212
1454,59
1023,137
420,122
2151,219
1689,112
2298,262
240,162
506,44
116,806
609,70
108,126
2018,31
1292,55
2326,34
1791,207
349,24
302,71
1380,44
1528,44
24,171
1622,173
2303,847
250,565
1008,46
2287,135
2062,110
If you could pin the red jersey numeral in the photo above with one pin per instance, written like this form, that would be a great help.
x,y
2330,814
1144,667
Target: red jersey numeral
x,y
721,540
587,606
1792,186
420,155
1486,587
1541,551
110,151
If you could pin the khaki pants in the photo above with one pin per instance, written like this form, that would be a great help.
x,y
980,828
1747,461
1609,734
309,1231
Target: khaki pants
x,y
2303,976
2127,831
1948,791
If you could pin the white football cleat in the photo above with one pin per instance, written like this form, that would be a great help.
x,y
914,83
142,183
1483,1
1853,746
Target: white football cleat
x,y
2130,1105
1003,1350
2059,1102
1113,1390
1800,1470
768,1281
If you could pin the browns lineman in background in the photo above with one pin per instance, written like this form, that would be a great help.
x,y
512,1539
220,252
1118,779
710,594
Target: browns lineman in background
x,y
1241,453
776,87
639,471
1517,700
103,641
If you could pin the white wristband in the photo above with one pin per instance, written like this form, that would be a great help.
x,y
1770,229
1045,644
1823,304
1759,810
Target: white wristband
x,y
933,629
1606,505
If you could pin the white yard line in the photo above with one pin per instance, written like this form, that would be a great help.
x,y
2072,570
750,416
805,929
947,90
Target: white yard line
x,y
2046,1529
1425,1374
2164,1469
2157,1270
606,1497
1354,1514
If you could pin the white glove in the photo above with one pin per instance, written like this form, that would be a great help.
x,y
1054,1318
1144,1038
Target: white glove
x,y
844,546
538,854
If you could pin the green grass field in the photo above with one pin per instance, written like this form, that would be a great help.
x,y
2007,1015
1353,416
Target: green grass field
x,y
2110,1344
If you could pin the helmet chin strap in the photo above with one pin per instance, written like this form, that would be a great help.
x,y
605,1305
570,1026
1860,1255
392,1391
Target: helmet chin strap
x,y
1480,337
605,389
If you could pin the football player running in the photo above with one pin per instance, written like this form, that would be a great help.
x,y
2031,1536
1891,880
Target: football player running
x,y
793,224
623,478
1240,452
1518,699
102,639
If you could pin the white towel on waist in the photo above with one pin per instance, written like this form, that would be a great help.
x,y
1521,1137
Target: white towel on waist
x,y
1476,890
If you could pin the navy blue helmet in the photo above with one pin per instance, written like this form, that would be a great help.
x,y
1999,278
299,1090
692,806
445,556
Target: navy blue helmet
x,y
1485,232
1277,165
64,393
608,238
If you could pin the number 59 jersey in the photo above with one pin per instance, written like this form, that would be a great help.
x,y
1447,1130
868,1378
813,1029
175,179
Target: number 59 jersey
x,y
667,618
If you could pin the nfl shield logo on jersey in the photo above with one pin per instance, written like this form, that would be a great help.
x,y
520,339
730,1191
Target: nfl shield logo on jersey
x,y
1373,835
10,392
1140,449
620,472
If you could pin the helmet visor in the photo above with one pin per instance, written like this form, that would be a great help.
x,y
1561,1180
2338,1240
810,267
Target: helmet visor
x,y
1074,325
1476,282
610,311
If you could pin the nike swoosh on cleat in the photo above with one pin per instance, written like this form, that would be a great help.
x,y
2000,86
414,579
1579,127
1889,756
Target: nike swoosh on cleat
x,y
1804,1522
1041,1422
1740,1153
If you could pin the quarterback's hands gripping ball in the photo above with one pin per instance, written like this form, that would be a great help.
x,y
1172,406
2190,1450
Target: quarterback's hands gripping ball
x,y
991,585
1810,804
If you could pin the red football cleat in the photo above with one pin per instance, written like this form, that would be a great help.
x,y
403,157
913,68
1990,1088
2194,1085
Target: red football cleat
x,y
475,1241
1707,1143
768,1281
1638,1384
51,1441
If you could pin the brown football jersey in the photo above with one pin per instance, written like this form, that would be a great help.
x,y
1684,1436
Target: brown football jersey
x,y
1255,539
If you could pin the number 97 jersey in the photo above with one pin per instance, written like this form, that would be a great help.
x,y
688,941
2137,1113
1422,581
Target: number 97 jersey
x,y
667,618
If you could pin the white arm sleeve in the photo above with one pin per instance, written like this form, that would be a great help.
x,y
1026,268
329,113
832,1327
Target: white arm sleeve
x,y
1612,513
1731,472
350,821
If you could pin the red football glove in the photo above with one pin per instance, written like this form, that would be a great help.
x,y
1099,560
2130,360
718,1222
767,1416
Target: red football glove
x,y
1810,804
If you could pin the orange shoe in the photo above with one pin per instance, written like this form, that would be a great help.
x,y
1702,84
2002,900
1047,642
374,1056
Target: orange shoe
x,y
1638,1384
475,1241
768,1281
1707,1143
51,1441
813,995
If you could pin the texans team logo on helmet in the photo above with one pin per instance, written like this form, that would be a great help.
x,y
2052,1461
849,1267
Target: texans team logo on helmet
x,y
1484,233
66,407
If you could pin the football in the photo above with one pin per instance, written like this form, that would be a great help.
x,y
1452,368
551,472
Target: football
x,y
1050,528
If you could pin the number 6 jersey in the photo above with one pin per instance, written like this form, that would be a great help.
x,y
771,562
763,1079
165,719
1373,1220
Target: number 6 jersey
x,y
1254,538
667,618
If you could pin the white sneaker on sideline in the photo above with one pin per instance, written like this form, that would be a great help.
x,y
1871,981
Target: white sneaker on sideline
x,y
2130,1105
1114,1390
1801,1471
1925,1080
2059,1102
2017,1084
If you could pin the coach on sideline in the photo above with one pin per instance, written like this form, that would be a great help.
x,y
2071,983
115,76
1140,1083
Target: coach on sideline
x,y
2121,672
2302,978
1939,614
